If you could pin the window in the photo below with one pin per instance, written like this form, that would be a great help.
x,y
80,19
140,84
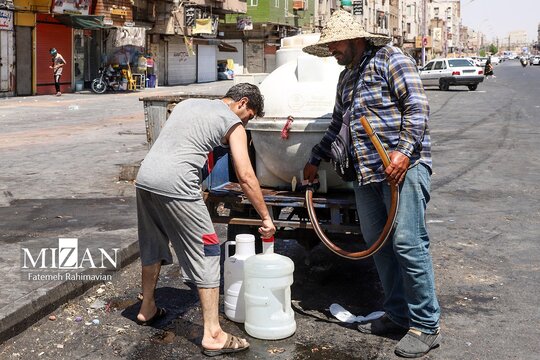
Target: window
x,y
439,65
435,11
408,28
276,3
429,65
409,10
382,21
253,2
459,63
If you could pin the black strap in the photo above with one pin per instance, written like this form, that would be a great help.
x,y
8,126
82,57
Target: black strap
x,y
365,60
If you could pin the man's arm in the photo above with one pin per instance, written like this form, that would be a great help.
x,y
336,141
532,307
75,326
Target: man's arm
x,y
237,140
60,64
404,81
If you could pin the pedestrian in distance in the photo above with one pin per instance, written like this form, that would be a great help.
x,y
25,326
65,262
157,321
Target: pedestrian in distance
x,y
58,63
382,84
170,206
488,68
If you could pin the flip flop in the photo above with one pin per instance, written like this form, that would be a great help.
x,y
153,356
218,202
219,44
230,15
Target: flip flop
x,y
160,313
233,344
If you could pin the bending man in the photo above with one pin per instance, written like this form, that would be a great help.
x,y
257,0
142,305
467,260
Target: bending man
x,y
170,206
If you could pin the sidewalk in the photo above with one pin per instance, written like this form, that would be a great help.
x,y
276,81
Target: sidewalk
x,y
59,178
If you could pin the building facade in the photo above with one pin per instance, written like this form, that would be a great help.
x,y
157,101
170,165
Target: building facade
x,y
187,42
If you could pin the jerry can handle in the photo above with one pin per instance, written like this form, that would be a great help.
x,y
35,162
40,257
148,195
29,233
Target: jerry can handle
x,y
227,248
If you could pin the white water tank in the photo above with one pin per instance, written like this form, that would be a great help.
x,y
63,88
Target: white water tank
x,y
304,87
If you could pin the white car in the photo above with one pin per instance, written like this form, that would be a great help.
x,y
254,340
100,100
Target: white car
x,y
481,61
495,60
536,60
451,72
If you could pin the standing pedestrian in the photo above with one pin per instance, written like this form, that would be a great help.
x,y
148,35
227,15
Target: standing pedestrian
x,y
58,63
170,206
382,84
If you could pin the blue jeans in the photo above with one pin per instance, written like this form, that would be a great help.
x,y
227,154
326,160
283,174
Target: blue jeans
x,y
404,263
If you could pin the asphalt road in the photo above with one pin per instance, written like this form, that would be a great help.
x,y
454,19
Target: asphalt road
x,y
483,220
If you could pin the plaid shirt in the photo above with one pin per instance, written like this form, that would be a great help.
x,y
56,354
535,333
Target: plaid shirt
x,y
391,97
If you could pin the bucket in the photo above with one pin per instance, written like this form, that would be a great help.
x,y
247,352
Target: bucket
x,y
267,291
233,288
79,86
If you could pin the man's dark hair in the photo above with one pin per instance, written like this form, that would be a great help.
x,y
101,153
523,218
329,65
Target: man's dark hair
x,y
250,91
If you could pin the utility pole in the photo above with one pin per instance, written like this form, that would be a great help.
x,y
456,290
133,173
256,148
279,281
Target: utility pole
x,y
424,31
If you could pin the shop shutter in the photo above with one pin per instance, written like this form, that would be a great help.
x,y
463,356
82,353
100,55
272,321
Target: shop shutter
x,y
52,36
206,63
23,35
181,67
6,60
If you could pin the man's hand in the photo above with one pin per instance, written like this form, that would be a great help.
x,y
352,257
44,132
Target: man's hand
x,y
395,172
267,229
310,172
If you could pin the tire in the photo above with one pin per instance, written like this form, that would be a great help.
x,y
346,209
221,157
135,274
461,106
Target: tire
x,y
98,86
444,86
472,87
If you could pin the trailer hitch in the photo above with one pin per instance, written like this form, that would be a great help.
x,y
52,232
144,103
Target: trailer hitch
x,y
390,221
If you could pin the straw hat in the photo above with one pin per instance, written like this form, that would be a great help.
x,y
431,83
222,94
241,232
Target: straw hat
x,y
342,26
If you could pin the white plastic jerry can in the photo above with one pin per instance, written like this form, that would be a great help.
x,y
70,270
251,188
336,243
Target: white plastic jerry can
x,y
233,288
267,291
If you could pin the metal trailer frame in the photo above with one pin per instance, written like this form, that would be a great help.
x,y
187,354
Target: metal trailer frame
x,y
228,205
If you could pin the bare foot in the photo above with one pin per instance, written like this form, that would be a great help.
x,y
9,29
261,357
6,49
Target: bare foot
x,y
147,311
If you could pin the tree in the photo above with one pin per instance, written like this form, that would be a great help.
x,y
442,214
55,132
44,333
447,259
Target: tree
x,y
493,49
482,52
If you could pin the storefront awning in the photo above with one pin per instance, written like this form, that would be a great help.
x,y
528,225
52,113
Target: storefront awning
x,y
222,45
89,22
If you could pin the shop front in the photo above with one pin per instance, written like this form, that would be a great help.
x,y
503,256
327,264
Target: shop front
x,y
7,53
124,42
181,67
87,34
124,49
50,33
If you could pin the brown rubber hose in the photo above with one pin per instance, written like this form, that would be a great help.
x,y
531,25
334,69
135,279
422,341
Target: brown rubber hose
x,y
390,221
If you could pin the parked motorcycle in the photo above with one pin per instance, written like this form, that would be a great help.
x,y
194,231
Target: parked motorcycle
x,y
108,79
524,61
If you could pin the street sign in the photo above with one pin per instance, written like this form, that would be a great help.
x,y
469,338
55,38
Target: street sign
x,y
358,7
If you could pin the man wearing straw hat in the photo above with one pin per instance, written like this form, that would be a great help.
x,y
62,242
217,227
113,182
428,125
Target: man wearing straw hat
x,y
382,84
